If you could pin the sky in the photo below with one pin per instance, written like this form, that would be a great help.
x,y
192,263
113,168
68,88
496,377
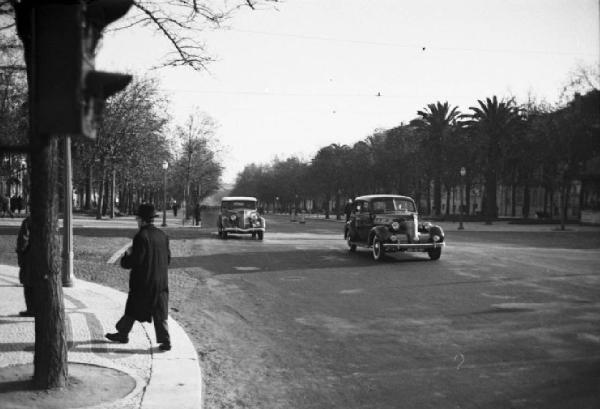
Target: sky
x,y
294,78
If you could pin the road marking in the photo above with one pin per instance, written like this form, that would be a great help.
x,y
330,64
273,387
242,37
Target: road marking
x,y
462,360
246,268
353,291
118,254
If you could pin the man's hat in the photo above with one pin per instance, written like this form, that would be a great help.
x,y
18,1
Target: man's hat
x,y
146,212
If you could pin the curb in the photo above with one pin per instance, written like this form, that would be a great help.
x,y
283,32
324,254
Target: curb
x,y
170,379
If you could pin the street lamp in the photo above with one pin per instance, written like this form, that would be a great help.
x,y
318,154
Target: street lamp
x,y
165,166
463,172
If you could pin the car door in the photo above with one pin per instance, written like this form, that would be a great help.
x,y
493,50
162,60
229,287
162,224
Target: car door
x,y
364,221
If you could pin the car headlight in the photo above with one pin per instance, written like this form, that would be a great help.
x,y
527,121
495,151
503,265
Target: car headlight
x,y
253,217
395,226
233,217
436,237
394,238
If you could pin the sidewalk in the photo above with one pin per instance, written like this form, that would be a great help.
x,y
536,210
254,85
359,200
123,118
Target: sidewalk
x,y
162,379
124,222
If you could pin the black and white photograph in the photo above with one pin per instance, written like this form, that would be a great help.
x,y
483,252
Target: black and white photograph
x,y
299,204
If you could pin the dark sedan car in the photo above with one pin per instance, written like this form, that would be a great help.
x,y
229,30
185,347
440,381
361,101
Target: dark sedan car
x,y
390,223
239,215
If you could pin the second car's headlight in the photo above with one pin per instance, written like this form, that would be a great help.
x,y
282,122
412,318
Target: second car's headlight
x,y
233,217
395,226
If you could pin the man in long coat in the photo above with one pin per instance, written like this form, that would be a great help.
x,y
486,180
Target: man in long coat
x,y
148,298
26,276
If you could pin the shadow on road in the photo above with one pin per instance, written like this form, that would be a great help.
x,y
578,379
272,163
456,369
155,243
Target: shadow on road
x,y
253,262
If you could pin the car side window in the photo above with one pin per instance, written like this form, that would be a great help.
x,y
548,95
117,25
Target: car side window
x,y
363,207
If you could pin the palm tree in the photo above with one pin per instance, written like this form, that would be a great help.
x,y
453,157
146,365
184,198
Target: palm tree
x,y
493,122
437,120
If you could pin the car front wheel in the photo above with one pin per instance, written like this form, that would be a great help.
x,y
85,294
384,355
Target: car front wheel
x,y
348,238
435,254
261,235
351,245
378,249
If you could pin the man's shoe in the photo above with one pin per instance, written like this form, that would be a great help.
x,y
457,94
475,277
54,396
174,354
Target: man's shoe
x,y
117,337
26,314
165,347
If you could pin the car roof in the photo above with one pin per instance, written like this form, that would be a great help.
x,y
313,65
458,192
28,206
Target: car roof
x,y
371,197
234,198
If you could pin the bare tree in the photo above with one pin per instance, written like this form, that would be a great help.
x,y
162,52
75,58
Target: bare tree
x,y
180,21
196,137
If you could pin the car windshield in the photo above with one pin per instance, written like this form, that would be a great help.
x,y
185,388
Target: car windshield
x,y
392,204
239,204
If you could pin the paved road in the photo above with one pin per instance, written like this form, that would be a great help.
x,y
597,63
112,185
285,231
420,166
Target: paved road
x,y
297,321
508,318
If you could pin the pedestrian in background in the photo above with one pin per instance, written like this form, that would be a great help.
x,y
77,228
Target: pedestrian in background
x,y
348,209
5,206
26,267
197,218
148,300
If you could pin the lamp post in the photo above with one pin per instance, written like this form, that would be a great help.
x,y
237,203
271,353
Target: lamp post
x,y
165,166
463,172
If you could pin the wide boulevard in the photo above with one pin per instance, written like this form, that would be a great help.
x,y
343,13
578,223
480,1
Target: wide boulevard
x,y
509,317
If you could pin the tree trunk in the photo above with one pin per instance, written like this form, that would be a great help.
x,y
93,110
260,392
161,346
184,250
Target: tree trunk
x,y
448,201
101,193
429,198
88,189
130,204
50,357
565,196
106,195
467,194
491,207
547,193
418,195
113,189
513,199
526,200
437,195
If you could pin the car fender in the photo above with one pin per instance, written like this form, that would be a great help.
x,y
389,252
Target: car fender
x,y
436,230
382,232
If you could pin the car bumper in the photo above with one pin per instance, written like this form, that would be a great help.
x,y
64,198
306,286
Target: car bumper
x,y
413,246
242,231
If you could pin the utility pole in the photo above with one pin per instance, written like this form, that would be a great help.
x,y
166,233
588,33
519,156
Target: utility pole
x,y
67,272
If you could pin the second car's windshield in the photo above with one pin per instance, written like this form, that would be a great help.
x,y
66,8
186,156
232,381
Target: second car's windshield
x,y
392,205
239,204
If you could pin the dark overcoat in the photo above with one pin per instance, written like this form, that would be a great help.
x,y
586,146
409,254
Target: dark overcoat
x,y
24,260
148,279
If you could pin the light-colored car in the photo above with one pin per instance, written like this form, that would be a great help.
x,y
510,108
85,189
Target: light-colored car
x,y
390,223
239,215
